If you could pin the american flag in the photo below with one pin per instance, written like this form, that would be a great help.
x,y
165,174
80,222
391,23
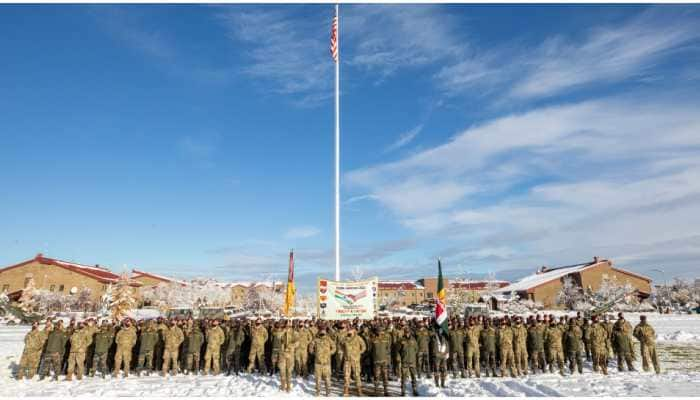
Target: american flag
x,y
334,39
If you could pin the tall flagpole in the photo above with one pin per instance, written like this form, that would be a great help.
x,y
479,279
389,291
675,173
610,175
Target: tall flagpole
x,y
337,150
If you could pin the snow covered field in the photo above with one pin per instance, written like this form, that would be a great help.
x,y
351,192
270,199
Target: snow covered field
x,y
679,350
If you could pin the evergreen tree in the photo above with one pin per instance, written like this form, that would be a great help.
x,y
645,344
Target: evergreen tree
x,y
124,300
27,302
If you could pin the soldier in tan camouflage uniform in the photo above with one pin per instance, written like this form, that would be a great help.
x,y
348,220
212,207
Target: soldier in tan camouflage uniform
x,y
172,338
505,344
553,340
31,356
125,340
322,347
599,346
520,346
288,344
259,336
473,334
354,346
647,339
212,355
79,341
301,355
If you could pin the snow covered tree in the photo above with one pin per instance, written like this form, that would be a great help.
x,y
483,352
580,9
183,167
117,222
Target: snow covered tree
x,y
124,300
27,302
83,301
570,295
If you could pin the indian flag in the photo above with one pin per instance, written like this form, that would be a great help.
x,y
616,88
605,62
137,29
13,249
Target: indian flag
x,y
440,307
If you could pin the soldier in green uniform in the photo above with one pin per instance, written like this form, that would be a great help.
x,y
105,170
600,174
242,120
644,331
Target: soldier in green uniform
x,y
647,339
259,337
53,354
423,340
212,356
354,347
193,341
236,336
586,339
147,344
520,346
104,338
33,345
572,346
553,341
473,334
408,348
505,345
488,347
322,347
535,339
623,347
276,345
381,352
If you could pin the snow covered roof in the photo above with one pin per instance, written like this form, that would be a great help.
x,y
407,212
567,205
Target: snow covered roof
x,y
96,272
477,285
399,285
548,275
246,284
138,274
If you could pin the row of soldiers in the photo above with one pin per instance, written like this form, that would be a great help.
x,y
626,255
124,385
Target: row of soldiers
x,y
373,351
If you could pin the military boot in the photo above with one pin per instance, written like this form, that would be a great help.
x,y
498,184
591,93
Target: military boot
x,y
359,389
346,391
442,381
437,380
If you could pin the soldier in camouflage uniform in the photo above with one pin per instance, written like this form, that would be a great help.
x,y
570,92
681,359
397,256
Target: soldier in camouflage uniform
x,y
586,339
212,355
647,339
488,347
473,334
535,340
423,340
147,345
301,355
236,336
125,340
31,356
599,346
623,347
172,339
354,346
79,342
505,345
257,347
340,336
553,341
193,341
572,346
322,347
286,360
103,340
441,354
53,354
276,345
520,346
408,348
381,352
456,335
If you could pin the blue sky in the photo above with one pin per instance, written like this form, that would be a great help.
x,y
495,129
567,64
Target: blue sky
x,y
198,140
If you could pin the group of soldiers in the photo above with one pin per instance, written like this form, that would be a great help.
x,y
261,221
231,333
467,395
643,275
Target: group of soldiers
x,y
356,351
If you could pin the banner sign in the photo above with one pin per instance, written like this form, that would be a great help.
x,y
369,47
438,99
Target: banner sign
x,y
347,300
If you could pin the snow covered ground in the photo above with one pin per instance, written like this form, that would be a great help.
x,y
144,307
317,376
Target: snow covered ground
x,y
679,351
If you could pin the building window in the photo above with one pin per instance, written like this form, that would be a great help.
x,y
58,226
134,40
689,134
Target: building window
x,y
429,295
52,288
60,288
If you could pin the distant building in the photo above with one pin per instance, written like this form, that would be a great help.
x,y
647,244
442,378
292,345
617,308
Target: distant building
x,y
545,285
400,293
405,293
59,276
148,279
473,287
242,292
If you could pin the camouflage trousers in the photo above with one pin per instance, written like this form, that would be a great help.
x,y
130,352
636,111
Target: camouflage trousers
x,y
537,360
408,370
473,361
99,363
257,353
301,358
381,371
622,358
211,360
192,362
145,360
29,363
575,361
170,357
600,358
489,358
424,363
339,361
323,372
351,369
457,363
440,371
122,358
508,360
520,354
649,355
556,355
52,362
76,363
286,366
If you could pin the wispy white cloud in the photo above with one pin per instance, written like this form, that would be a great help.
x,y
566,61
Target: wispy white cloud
x,y
404,139
302,232
198,149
